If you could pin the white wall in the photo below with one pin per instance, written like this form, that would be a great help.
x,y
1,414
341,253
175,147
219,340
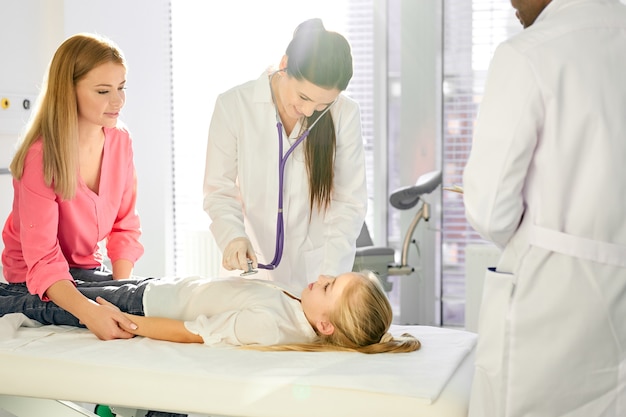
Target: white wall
x,y
33,29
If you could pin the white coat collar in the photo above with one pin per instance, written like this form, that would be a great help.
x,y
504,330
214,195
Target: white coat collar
x,y
262,92
555,6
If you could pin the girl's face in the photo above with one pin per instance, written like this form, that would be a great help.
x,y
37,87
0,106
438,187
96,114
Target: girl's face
x,y
100,95
321,297
300,98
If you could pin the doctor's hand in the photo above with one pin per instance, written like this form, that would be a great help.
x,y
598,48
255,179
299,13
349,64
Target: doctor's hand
x,y
237,253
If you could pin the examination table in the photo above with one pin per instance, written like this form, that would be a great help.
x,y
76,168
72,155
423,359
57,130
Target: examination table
x,y
45,370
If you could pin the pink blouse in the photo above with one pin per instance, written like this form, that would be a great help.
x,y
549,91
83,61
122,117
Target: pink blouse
x,y
44,236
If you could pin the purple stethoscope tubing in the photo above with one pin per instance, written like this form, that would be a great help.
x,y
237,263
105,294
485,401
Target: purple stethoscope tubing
x,y
280,223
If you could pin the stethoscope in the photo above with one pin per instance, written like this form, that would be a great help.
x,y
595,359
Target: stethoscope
x,y
282,161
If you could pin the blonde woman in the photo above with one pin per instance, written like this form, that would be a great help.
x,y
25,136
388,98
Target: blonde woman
x,y
75,185
349,312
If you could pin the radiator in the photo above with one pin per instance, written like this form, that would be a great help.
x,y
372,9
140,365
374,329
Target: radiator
x,y
200,255
478,257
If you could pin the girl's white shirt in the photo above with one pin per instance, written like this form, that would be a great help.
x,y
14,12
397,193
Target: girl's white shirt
x,y
230,311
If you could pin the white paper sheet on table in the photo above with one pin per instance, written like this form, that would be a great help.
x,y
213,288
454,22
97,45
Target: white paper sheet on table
x,y
421,375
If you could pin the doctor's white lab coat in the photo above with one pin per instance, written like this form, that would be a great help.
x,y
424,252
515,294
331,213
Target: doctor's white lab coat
x,y
546,181
241,186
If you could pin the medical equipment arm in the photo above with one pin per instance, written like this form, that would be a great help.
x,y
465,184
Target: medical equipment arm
x,y
405,198
505,138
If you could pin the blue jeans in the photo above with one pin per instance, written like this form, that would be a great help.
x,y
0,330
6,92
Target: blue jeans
x,y
127,295
92,275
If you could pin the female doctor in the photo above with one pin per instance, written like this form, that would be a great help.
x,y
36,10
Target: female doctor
x,y
285,176
546,181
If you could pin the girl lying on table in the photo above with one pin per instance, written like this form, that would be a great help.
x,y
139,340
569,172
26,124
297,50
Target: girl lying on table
x,y
349,312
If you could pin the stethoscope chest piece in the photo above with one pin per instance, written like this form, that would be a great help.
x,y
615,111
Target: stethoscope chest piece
x,y
250,271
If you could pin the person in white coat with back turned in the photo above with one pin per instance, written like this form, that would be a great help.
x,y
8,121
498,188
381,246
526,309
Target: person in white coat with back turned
x,y
546,181
323,189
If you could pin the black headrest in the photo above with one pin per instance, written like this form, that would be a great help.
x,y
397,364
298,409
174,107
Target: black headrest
x,y
406,197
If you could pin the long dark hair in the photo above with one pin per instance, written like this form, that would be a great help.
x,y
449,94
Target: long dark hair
x,y
323,58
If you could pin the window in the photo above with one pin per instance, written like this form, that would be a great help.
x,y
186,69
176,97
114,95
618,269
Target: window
x,y
472,30
215,47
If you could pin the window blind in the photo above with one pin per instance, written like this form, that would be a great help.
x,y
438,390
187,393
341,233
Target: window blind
x,y
472,31
360,34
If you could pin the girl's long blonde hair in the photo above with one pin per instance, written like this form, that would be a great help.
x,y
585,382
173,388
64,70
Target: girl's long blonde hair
x,y
55,120
361,319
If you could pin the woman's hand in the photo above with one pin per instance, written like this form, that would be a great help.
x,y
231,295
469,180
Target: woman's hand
x,y
107,322
237,253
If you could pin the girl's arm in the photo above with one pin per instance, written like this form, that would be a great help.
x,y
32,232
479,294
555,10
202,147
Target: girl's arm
x,y
159,328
